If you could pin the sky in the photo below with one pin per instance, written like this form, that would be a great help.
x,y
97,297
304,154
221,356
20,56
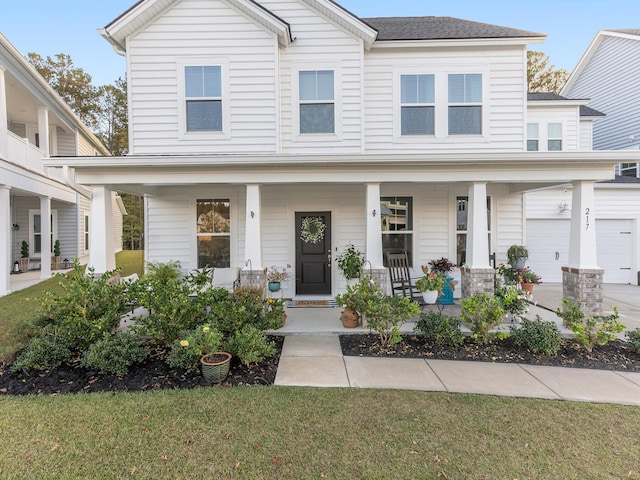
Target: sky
x,y
48,27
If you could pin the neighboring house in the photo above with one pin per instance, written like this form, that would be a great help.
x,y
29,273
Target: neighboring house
x,y
276,132
36,123
608,75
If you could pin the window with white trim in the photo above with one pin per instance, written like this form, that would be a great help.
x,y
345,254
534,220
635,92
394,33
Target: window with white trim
x,y
417,104
533,140
316,94
554,137
85,231
213,232
465,103
396,217
203,98
629,170
35,230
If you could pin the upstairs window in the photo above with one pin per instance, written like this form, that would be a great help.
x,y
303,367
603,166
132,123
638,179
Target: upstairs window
x,y
532,137
417,104
317,101
465,104
554,137
203,96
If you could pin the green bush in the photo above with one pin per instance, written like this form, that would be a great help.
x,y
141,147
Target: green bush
x,y
598,329
250,345
633,339
440,329
52,346
386,314
482,312
191,345
114,354
515,301
538,336
570,312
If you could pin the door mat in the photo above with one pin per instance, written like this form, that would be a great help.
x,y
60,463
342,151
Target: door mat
x,y
311,303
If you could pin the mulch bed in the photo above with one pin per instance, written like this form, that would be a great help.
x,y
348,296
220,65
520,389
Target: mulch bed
x,y
154,373
613,356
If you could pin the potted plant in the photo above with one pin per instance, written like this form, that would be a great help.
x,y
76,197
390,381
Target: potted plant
x,y
275,276
430,285
55,265
528,279
355,301
24,252
350,262
443,266
517,256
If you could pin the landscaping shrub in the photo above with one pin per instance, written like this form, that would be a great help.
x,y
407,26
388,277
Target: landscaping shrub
x,y
482,312
598,329
191,345
115,353
250,345
515,301
52,346
440,329
385,315
539,336
633,339
570,312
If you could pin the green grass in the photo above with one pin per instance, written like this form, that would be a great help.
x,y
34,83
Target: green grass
x,y
130,261
299,433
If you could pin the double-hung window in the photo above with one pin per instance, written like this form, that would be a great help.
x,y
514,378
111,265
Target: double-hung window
x,y
532,137
554,137
417,104
203,97
465,103
317,101
396,217
213,232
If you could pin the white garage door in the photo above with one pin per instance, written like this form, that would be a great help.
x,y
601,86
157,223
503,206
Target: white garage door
x,y
548,244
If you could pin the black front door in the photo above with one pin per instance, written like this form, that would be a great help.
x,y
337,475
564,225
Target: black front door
x,y
313,253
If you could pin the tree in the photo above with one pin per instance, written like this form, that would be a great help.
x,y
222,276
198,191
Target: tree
x,y
132,226
542,77
72,84
112,117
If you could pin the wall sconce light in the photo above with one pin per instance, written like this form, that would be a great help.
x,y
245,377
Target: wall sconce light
x,y
374,212
253,214
15,227
563,207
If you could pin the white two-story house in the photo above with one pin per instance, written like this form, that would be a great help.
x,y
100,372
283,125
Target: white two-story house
x,y
36,123
276,132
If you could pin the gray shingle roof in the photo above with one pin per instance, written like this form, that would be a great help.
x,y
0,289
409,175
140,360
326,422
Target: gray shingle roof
x,y
542,96
435,28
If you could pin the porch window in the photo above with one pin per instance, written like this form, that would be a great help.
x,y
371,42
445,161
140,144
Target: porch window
x,y
86,232
465,104
462,211
35,230
417,104
554,137
203,96
317,101
396,216
532,137
213,231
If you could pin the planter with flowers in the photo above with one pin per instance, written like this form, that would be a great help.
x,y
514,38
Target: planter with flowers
x,y
430,285
528,279
275,276
443,266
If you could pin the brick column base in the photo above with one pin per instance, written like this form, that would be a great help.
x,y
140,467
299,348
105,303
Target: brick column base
x,y
380,278
584,286
254,278
477,280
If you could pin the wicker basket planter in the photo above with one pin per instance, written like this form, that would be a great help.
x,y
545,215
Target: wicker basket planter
x,y
215,367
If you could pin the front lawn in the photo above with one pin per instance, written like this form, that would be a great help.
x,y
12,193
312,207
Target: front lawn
x,y
297,433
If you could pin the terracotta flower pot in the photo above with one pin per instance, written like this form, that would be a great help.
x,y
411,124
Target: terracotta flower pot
x,y
349,318
528,287
215,366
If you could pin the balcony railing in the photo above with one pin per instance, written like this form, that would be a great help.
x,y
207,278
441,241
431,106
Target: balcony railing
x,y
27,155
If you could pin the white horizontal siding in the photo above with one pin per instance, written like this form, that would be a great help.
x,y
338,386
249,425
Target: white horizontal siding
x,y
116,223
586,135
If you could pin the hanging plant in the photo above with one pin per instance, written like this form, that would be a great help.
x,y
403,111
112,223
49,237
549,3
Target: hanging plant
x,y
312,229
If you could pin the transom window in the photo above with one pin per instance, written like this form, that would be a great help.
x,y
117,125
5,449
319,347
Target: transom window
x,y
417,104
465,104
554,137
532,137
396,217
317,101
213,231
462,212
203,95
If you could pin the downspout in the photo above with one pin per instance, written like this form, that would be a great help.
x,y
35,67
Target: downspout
x,y
70,182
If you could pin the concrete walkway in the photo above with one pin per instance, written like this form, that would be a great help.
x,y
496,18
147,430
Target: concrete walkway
x,y
317,361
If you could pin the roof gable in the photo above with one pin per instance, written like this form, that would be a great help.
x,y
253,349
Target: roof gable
x,y
550,98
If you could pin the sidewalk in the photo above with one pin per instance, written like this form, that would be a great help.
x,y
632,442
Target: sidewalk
x,y
317,360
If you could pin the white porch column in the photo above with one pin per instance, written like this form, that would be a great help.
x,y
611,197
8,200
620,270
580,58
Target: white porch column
x,y
4,123
45,237
582,238
5,240
253,221
101,253
373,240
43,129
477,230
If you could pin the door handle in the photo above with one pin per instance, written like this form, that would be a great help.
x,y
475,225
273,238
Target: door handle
x,y
329,259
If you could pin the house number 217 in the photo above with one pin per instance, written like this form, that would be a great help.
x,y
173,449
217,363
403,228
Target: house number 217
x,y
586,212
